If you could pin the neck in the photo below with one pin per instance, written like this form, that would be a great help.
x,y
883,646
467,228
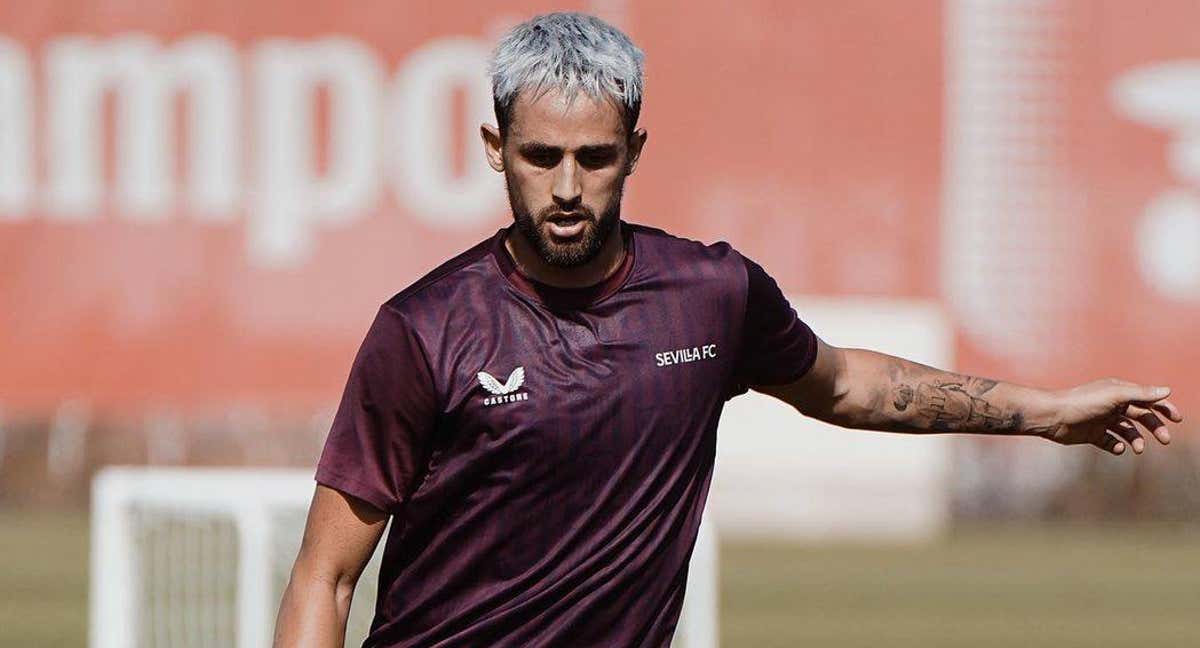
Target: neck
x,y
531,264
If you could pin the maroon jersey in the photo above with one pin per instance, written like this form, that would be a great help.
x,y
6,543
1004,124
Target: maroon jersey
x,y
546,453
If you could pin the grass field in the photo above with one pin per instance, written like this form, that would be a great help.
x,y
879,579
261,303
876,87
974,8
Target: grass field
x,y
1004,586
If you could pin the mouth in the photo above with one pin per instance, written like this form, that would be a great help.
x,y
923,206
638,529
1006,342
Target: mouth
x,y
566,225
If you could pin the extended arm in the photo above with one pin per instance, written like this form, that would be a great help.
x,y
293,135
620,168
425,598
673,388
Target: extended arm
x,y
864,389
339,537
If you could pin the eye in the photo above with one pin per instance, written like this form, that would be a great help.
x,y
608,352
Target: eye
x,y
543,158
597,159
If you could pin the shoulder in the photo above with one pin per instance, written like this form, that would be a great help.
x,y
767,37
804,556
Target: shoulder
x,y
415,318
662,244
693,270
464,271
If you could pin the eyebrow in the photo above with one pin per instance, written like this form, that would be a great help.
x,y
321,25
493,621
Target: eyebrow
x,y
533,148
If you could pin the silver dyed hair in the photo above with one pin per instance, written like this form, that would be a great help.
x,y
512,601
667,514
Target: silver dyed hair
x,y
568,52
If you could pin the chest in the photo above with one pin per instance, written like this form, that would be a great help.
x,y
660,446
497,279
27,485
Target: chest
x,y
609,371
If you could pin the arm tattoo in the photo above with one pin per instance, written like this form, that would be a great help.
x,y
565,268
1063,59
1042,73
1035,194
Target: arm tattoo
x,y
959,406
947,402
882,392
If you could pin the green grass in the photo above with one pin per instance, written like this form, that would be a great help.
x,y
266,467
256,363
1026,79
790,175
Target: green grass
x,y
43,579
1006,586
1053,587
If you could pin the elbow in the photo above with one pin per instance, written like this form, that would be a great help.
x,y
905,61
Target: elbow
x,y
343,590
326,581
852,401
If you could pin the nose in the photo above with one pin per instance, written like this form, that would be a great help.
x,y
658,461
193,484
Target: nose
x,y
567,190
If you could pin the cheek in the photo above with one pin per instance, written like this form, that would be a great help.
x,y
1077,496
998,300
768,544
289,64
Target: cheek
x,y
533,187
600,187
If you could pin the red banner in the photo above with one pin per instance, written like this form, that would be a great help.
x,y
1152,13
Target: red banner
x,y
202,203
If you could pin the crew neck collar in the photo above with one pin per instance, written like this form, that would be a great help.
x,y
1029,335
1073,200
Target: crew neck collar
x,y
553,296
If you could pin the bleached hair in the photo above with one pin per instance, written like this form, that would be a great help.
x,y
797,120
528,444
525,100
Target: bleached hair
x,y
567,52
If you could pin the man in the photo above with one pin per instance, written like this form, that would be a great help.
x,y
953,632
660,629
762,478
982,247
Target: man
x,y
538,415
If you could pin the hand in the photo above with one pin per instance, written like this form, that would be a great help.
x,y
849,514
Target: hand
x,y
1111,414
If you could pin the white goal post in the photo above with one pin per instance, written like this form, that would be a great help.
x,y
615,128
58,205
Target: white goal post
x,y
199,557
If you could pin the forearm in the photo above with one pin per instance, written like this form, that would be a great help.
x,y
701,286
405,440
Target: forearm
x,y
883,392
313,612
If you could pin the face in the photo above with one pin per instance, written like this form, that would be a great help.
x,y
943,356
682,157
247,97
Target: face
x,y
565,160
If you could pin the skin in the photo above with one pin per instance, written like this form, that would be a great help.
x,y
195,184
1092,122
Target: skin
x,y
339,537
579,164
862,389
565,153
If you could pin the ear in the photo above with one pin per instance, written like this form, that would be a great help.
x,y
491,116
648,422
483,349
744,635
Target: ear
x,y
636,141
493,146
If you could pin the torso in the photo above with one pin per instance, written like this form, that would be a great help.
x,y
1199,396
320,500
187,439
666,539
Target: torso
x,y
562,510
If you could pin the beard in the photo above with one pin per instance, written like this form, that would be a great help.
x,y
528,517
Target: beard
x,y
554,251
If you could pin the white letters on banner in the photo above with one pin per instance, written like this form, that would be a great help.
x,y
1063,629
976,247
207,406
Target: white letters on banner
x,y
1167,96
249,134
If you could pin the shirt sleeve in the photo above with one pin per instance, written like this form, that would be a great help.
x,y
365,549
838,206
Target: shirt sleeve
x,y
379,442
777,346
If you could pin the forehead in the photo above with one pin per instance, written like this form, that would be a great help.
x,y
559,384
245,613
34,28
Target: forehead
x,y
565,120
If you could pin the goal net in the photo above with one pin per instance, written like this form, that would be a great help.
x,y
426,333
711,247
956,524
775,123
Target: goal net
x,y
199,558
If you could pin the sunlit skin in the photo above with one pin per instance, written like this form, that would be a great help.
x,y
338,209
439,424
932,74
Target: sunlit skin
x,y
565,155
558,156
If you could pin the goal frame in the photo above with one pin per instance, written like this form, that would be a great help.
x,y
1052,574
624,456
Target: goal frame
x,y
247,496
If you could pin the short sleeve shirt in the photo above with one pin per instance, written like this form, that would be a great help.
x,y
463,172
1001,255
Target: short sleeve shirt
x,y
546,453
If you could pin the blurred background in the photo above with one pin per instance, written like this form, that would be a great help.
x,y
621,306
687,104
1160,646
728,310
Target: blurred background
x,y
202,204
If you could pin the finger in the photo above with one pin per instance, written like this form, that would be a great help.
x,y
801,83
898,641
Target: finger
x,y
1140,393
1134,410
1155,426
1169,410
1129,432
1150,421
1137,412
1110,443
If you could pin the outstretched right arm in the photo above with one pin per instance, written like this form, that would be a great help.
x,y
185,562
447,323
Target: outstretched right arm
x,y
339,538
